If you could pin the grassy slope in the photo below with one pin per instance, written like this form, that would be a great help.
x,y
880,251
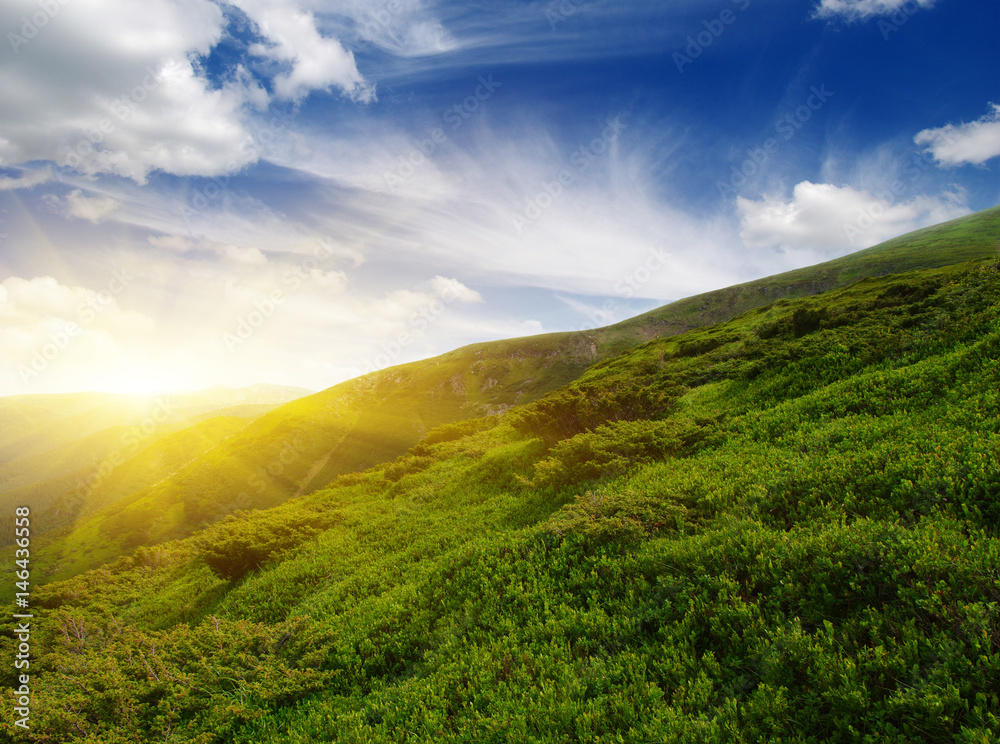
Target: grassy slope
x,y
306,444
963,239
792,537
149,465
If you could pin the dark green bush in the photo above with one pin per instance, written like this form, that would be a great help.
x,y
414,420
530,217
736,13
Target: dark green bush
x,y
611,449
245,541
573,410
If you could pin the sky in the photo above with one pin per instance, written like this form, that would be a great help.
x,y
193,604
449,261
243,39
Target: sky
x,y
297,192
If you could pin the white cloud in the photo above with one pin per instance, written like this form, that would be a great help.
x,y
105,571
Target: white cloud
x,y
78,205
822,219
974,142
26,179
172,243
406,28
36,304
481,203
109,86
55,337
329,281
452,289
862,10
317,62
234,253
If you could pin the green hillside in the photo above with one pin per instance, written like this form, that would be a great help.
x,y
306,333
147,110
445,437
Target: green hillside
x,y
106,486
963,239
308,443
72,450
38,481
783,527
32,425
66,459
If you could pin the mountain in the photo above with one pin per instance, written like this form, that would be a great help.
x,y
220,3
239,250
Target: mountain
x,y
306,444
780,527
60,446
36,424
124,475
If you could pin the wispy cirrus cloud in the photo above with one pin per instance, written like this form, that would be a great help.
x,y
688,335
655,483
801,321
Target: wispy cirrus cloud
x,y
26,179
863,10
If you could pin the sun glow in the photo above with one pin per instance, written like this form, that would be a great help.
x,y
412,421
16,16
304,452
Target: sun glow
x,y
144,379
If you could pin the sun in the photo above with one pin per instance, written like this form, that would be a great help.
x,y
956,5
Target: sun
x,y
147,380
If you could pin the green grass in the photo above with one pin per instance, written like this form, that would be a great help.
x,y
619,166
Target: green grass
x,y
780,528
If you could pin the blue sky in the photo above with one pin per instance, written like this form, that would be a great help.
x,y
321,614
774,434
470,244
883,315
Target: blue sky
x,y
298,191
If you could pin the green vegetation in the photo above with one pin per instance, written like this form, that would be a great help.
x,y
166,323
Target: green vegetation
x,y
309,443
783,527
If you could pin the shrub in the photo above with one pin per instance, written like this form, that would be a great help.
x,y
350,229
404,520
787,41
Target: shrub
x,y
613,448
245,541
574,410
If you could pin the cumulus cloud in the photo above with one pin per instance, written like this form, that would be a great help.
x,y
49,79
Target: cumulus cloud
x,y
26,179
78,205
39,303
862,10
824,219
317,62
452,289
974,142
109,86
